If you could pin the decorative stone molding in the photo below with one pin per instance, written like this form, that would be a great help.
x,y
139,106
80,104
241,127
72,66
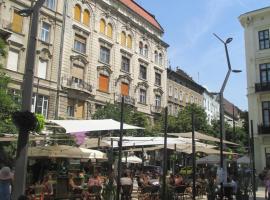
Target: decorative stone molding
x,y
123,78
143,85
104,70
79,58
158,91
44,54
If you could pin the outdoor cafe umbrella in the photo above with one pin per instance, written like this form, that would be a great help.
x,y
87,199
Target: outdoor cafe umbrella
x,y
62,151
132,159
210,159
243,160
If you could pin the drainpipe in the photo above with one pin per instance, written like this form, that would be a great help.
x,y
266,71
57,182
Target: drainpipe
x,y
56,114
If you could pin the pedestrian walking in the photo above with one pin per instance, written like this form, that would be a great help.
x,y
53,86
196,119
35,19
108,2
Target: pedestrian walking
x,y
6,177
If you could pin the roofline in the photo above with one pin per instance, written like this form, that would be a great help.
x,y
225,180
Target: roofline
x,y
252,13
160,29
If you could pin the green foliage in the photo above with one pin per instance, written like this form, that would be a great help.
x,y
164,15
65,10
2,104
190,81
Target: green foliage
x,y
40,123
7,103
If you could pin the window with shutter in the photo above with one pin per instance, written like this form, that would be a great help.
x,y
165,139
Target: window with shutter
x,y
86,17
17,22
102,26
129,42
12,62
109,30
124,89
79,110
103,83
123,38
77,12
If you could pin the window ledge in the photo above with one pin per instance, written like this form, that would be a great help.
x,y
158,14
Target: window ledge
x,y
126,72
45,43
142,79
83,54
107,64
144,104
159,86
103,91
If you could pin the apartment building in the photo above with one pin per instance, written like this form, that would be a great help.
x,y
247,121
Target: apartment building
x,y
256,26
182,90
211,106
15,29
88,53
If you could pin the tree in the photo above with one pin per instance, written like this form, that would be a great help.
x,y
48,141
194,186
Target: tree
x,y
8,104
184,121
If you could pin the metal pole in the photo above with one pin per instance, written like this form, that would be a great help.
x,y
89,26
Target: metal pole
x,y
221,143
193,158
27,92
253,161
111,155
164,193
120,152
142,156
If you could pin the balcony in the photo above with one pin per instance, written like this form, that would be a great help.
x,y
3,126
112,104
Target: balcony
x,y
156,109
5,28
70,83
261,87
127,99
263,129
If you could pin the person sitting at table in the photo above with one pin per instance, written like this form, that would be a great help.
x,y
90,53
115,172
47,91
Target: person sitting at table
x,y
178,180
94,180
171,180
75,188
47,186
145,180
126,180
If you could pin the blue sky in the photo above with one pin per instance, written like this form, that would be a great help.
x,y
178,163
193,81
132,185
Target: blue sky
x,y
189,26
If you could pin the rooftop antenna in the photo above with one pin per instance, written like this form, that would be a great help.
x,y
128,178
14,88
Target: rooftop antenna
x,y
198,77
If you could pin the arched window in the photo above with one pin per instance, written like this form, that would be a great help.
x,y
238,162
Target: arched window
x,y
129,42
156,57
123,38
160,59
109,30
146,50
141,48
86,17
102,26
77,12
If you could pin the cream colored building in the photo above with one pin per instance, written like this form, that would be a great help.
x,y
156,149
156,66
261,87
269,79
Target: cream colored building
x,y
15,29
111,48
256,26
89,53
182,90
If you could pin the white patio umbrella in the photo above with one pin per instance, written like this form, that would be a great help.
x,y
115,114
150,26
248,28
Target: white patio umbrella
x,y
132,159
243,160
94,153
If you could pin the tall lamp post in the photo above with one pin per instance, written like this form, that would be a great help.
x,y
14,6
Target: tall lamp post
x,y
27,86
222,127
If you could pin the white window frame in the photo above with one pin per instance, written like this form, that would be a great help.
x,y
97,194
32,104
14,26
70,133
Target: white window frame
x,y
104,54
11,60
142,96
45,33
44,106
50,4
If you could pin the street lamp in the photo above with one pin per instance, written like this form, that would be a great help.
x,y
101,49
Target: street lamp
x,y
222,127
27,91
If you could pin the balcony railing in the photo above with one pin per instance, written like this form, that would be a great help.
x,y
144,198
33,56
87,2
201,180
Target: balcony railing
x,y
82,85
263,129
260,87
127,99
156,109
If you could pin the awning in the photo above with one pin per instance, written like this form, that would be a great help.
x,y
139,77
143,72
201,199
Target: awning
x,y
64,151
211,159
93,143
243,160
201,136
79,126
132,159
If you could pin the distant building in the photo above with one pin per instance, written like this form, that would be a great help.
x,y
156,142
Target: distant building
x,y
256,26
211,106
232,114
182,90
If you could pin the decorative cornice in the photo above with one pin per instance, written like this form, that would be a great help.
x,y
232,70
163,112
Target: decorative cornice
x,y
104,67
79,58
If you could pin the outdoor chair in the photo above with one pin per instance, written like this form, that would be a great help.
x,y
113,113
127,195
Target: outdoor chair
x,y
94,193
179,192
126,192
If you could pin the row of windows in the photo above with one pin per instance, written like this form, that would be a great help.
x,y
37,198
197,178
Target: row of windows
x,y
180,96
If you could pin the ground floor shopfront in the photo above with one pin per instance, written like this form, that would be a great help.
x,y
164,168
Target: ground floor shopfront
x,y
262,152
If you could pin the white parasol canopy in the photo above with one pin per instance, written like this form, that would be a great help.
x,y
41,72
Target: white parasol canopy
x,y
211,159
79,126
64,151
132,159
243,160
201,136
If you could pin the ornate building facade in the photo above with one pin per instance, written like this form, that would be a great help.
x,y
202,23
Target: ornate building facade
x,y
89,52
